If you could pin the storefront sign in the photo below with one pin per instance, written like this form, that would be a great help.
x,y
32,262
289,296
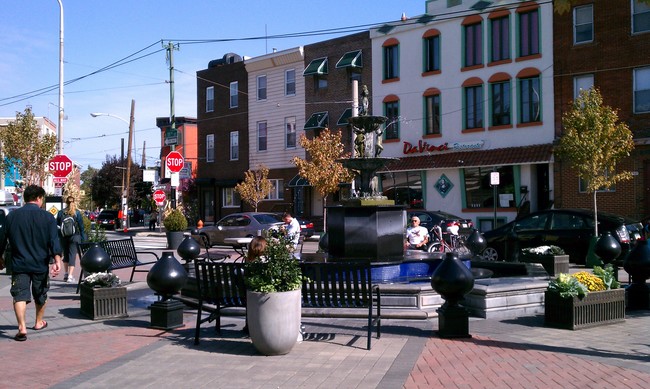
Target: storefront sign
x,y
423,146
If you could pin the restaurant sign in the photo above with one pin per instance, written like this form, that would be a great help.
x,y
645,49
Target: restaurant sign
x,y
423,146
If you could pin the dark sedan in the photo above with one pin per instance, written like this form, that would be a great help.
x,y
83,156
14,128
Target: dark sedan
x,y
570,229
108,219
239,225
306,227
449,223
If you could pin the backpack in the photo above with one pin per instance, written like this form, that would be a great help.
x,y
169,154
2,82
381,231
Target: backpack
x,y
68,226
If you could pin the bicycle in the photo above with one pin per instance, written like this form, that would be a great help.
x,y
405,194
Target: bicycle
x,y
449,241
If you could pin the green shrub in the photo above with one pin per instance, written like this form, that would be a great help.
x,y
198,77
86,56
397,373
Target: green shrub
x,y
175,221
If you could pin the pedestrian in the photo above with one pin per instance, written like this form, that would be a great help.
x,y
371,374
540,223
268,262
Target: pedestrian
x,y
153,219
69,243
291,228
34,241
417,237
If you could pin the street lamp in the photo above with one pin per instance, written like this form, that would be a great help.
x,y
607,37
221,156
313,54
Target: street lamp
x,y
135,145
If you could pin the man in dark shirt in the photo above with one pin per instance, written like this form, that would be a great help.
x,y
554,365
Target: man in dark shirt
x,y
33,240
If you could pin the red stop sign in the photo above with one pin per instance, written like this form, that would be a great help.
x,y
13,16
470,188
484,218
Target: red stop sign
x,y
60,166
175,162
159,197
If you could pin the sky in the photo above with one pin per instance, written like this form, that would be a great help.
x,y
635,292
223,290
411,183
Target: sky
x,y
131,34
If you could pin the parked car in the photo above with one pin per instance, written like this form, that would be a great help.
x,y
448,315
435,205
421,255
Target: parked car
x,y
448,222
239,225
306,227
570,229
108,219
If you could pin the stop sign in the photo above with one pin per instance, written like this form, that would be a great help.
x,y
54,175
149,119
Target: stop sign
x,y
175,162
60,166
159,197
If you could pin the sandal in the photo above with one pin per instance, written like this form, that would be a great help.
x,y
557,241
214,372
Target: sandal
x,y
20,337
43,326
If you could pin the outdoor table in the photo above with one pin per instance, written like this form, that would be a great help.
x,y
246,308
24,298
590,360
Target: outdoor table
x,y
240,245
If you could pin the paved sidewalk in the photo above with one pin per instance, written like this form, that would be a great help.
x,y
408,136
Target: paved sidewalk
x,y
518,353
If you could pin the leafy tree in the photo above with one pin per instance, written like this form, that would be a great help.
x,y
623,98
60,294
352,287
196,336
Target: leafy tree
x,y
321,169
107,183
86,179
594,141
26,148
255,187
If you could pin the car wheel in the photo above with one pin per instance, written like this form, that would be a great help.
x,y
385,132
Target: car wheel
x,y
490,254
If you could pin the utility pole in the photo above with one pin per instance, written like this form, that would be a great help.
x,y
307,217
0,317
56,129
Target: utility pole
x,y
144,158
172,116
128,166
61,111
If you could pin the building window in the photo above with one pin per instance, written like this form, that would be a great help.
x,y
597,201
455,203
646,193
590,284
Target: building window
x,y
391,61
584,82
640,16
500,44
500,103
231,198
391,111
432,53
262,136
209,99
320,82
209,148
473,103
404,188
473,44
261,87
234,94
528,33
290,127
290,82
480,194
277,190
234,145
432,114
583,24
642,90
529,100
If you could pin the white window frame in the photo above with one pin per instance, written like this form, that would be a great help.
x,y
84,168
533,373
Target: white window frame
x,y
230,198
234,94
277,189
261,90
234,145
266,137
209,99
209,148
582,82
641,85
582,10
639,10
290,82
290,128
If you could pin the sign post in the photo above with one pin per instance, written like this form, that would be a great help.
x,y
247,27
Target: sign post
x,y
494,181
60,166
174,162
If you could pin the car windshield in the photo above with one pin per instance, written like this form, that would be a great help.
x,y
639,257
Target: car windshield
x,y
267,218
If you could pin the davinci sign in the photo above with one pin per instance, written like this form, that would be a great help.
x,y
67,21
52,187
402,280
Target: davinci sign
x,y
423,146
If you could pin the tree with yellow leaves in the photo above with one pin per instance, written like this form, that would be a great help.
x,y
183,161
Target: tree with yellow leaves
x,y
255,187
321,170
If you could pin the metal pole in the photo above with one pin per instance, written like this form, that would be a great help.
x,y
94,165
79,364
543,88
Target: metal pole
x,y
128,166
172,119
61,112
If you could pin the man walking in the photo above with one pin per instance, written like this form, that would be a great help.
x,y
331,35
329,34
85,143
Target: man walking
x,y
33,240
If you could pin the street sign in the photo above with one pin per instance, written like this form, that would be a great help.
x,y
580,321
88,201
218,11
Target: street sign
x,y
175,162
60,165
159,197
171,137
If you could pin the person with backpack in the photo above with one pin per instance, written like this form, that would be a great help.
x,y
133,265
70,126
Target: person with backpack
x,y
71,230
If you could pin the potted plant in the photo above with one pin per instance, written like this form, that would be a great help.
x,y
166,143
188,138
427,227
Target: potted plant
x,y
273,303
175,225
102,296
553,258
583,299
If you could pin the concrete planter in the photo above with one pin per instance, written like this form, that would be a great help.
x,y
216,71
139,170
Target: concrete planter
x,y
103,303
273,320
596,308
553,264
174,239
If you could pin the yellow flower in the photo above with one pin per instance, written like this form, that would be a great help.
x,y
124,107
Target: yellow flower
x,y
592,282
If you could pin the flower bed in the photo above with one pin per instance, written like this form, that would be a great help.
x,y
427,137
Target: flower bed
x,y
552,258
102,297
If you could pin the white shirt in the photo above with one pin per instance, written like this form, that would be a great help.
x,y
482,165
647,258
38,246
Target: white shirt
x,y
293,230
416,235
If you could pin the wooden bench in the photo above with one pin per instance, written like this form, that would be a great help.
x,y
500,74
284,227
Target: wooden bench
x,y
123,255
325,285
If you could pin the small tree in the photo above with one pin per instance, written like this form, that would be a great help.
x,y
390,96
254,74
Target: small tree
x,y
321,170
256,186
25,148
594,142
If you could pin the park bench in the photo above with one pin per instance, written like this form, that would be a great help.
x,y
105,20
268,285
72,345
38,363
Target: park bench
x,y
325,285
123,255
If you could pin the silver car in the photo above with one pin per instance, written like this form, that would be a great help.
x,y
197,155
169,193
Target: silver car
x,y
239,225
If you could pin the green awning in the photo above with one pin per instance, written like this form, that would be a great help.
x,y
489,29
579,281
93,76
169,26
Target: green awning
x,y
317,66
317,120
351,59
343,120
297,180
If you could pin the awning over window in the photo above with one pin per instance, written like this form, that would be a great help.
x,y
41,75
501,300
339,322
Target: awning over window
x,y
297,180
343,120
351,59
317,120
316,66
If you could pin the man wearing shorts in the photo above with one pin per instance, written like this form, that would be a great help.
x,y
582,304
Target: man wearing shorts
x,y
34,240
